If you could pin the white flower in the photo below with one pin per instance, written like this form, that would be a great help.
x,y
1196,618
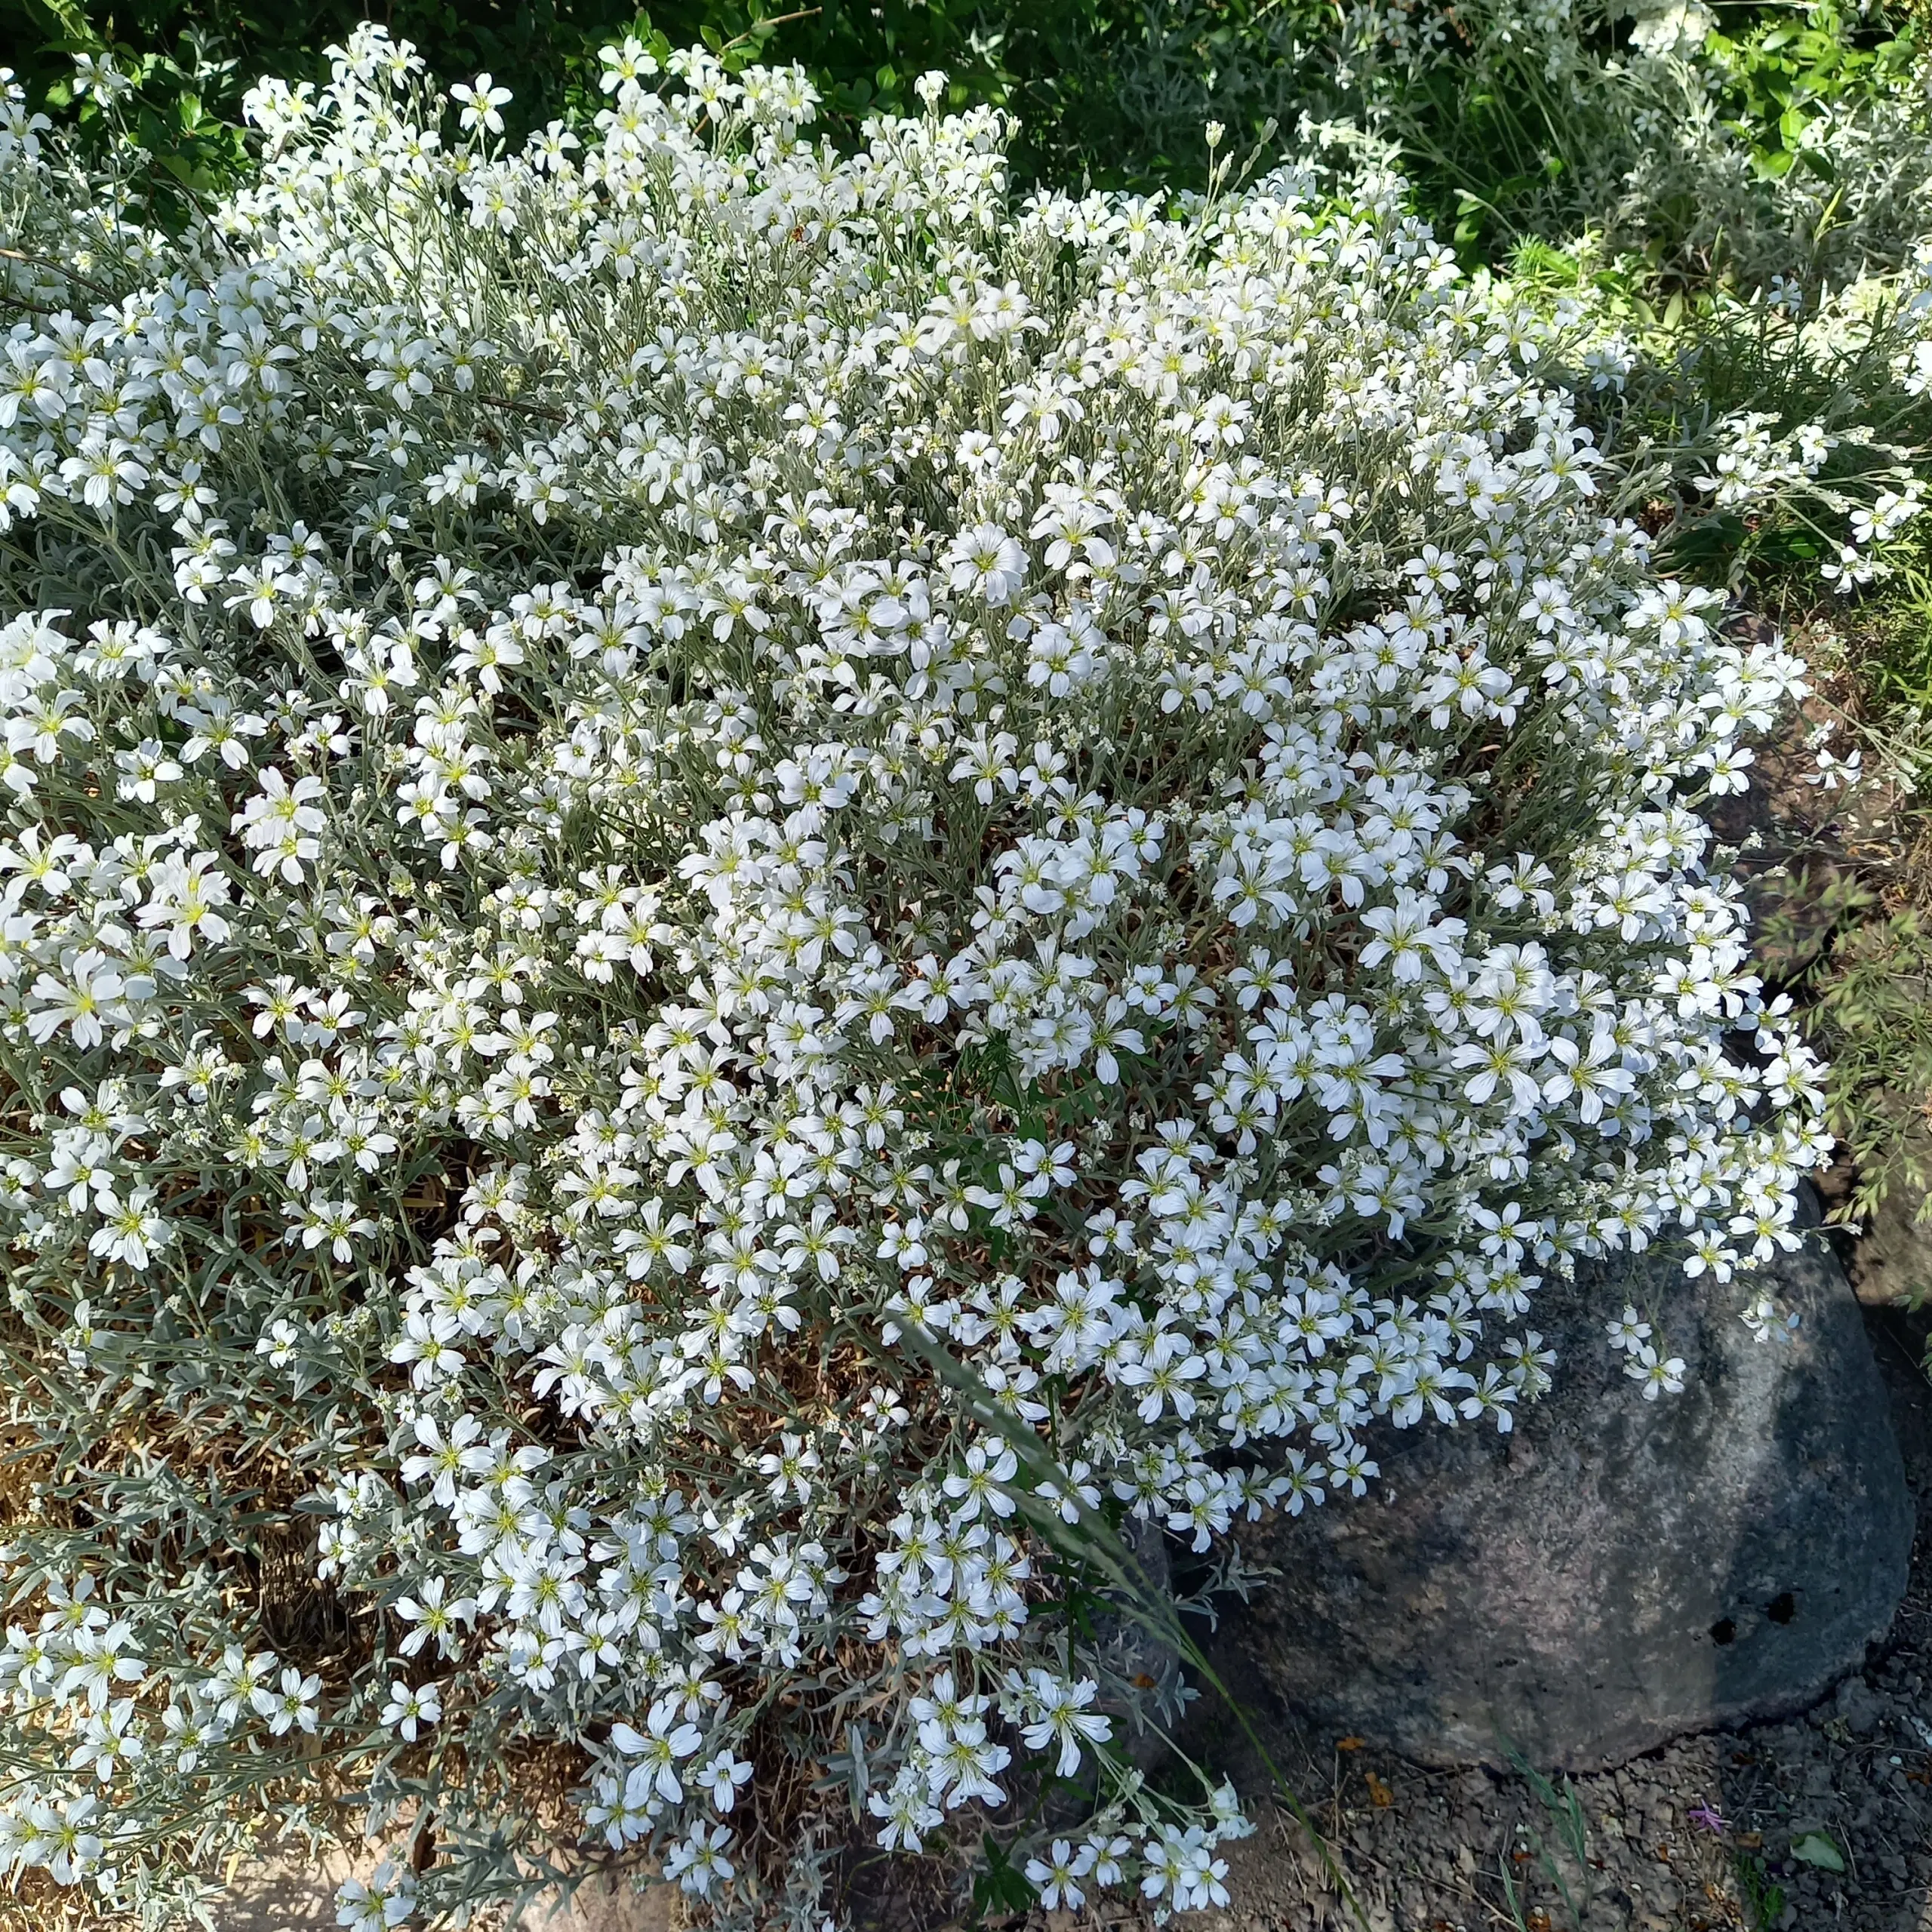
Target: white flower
x,y
71,1850
697,1862
97,74
1659,1374
1059,1716
663,1742
1058,1875
293,1704
386,1898
131,1231
1833,771
84,1000
479,104
429,1615
1629,1331
408,1710
191,1730
721,1777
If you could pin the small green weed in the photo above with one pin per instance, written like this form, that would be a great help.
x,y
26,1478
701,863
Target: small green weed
x,y
1894,635
1763,1895
1564,1810
1784,74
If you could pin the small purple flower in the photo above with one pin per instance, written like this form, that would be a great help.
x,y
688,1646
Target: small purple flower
x,y
1709,1817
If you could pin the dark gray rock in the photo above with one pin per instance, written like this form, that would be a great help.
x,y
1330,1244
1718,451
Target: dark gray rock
x,y
1614,1573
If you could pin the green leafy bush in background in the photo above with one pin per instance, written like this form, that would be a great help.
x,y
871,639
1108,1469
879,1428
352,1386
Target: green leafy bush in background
x,y
1642,122
1117,92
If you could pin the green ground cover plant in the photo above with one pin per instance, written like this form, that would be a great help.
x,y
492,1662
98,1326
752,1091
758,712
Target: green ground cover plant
x,y
763,862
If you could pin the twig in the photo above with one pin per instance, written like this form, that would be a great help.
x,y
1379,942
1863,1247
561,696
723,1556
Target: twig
x,y
758,28
525,408
59,269
507,402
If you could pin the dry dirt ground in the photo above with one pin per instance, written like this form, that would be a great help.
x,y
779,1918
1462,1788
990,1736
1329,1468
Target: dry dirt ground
x,y
284,1897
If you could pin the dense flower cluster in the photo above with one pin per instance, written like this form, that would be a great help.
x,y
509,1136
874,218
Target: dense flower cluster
x,y
741,889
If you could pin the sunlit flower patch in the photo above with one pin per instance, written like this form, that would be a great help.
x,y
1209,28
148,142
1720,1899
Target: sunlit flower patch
x,y
742,890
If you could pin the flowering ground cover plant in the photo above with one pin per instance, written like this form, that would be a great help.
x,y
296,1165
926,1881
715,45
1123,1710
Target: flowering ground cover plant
x,y
743,891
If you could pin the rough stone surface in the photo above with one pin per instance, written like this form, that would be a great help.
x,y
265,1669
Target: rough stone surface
x,y
1615,1572
1891,1262
1141,1655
